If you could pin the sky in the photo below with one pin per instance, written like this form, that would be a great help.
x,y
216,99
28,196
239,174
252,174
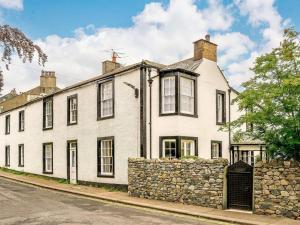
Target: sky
x,y
77,35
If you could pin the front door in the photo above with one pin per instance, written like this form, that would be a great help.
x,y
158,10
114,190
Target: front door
x,y
73,162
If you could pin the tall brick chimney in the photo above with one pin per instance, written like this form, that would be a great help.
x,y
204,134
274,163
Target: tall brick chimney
x,y
108,66
48,79
203,48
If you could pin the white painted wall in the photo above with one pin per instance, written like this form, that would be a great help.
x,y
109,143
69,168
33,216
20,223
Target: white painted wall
x,y
204,127
124,127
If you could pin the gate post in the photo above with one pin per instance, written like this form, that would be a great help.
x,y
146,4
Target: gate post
x,y
225,189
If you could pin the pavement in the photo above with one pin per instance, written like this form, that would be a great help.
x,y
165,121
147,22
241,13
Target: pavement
x,y
226,216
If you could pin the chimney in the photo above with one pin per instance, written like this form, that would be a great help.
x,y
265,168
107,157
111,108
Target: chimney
x,y
203,48
108,66
48,79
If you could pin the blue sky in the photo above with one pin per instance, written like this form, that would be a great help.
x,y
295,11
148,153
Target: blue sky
x,y
75,34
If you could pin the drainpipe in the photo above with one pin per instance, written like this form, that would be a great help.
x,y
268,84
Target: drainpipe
x,y
150,81
229,126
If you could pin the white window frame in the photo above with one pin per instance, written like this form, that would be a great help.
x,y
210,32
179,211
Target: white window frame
x,y
170,140
215,153
73,106
48,114
7,124
7,155
22,120
21,155
185,144
187,97
106,152
106,99
48,157
168,96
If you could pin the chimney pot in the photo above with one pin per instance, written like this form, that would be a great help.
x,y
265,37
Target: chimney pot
x,y
207,37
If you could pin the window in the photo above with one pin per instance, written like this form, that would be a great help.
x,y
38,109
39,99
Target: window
x,y
168,94
48,158
7,155
106,157
21,155
221,107
7,124
106,104
187,100
216,149
187,147
178,146
21,120
169,148
178,93
72,109
48,114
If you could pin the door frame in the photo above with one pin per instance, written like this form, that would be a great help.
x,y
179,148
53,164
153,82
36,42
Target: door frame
x,y
68,159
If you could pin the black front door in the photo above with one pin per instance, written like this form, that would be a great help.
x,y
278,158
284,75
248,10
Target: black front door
x,y
240,186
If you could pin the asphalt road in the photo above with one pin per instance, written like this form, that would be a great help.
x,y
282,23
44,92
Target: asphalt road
x,y
22,204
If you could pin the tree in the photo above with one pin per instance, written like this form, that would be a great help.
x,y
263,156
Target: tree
x,y
13,41
272,100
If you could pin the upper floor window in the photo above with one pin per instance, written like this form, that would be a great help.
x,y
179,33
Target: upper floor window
x,y
168,94
220,107
216,149
106,156
7,124
72,109
176,147
106,100
48,113
187,98
178,94
21,120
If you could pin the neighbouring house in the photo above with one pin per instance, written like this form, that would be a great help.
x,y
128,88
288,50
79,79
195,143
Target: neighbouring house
x,y
87,131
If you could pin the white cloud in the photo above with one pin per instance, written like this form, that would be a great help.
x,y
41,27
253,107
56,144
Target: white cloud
x,y
12,4
162,33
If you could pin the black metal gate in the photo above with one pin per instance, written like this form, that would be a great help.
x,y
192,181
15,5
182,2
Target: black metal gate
x,y
240,186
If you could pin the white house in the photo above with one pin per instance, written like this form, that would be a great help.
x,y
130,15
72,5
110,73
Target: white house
x,y
87,131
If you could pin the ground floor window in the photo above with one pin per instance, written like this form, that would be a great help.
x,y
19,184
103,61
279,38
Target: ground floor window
x,y
106,156
48,158
7,155
176,147
216,149
21,155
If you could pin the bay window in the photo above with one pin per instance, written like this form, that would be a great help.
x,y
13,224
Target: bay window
x,y
187,147
178,92
169,148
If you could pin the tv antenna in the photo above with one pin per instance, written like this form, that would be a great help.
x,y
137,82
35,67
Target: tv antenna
x,y
115,54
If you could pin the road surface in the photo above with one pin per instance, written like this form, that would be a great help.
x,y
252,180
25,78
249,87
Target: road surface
x,y
22,204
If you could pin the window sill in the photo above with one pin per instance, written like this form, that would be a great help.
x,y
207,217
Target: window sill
x,y
48,128
45,172
105,118
218,123
106,176
21,130
20,165
71,124
178,114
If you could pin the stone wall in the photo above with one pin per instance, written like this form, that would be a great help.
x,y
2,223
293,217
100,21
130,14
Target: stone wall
x,y
198,182
277,188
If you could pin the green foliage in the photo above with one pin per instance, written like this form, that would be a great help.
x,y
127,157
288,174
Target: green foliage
x,y
272,99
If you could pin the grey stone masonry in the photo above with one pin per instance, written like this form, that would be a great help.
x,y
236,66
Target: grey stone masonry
x,y
197,182
277,188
